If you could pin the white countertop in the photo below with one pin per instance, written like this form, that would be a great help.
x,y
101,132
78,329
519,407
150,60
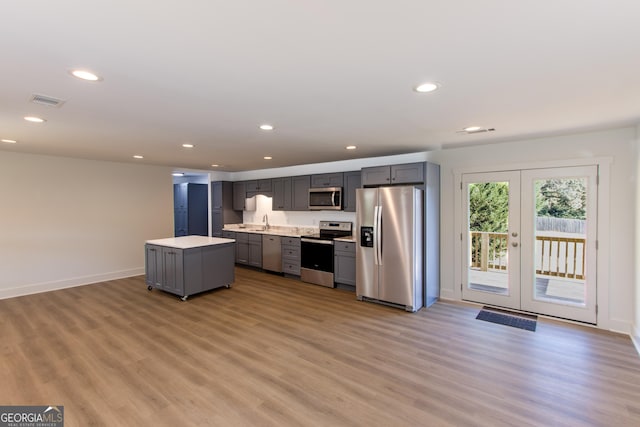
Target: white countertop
x,y
187,242
276,230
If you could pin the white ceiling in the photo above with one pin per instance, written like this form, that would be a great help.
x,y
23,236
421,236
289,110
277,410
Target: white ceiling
x,y
326,74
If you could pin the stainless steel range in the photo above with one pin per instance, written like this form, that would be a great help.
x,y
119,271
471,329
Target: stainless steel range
x,y
317,252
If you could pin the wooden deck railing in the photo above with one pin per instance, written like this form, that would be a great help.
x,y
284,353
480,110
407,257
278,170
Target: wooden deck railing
x,y
554,255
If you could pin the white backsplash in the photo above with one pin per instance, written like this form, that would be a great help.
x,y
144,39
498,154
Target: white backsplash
x,y
292,218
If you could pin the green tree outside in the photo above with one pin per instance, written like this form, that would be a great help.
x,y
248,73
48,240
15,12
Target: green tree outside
x,y
489,207
561,198
556,198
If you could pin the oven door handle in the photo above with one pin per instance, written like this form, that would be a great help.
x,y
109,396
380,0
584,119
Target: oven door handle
x,y
322,242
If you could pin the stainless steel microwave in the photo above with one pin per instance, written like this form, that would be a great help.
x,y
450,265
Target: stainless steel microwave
x,y
325,199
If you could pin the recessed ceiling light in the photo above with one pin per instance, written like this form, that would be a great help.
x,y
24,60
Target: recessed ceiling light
x,y
475,129
9,141
85,75
188,145
138,156
266,127
34,119
177,174
268,157
350,147
215,166
427,87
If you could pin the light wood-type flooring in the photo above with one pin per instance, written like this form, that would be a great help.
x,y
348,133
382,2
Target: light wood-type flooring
x,y
273,351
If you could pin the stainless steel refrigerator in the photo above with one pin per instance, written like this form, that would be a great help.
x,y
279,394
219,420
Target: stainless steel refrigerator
x,y
389,245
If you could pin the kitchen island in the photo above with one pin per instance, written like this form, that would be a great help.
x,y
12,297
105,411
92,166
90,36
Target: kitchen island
x,y
190,264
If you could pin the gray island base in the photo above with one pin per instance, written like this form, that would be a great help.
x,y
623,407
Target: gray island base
x,y
189,265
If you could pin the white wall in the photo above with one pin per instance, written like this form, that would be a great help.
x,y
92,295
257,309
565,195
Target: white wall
x,y
67,222
636,327
617,306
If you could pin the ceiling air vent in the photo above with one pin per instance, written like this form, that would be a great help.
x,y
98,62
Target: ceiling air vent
x,y
47,100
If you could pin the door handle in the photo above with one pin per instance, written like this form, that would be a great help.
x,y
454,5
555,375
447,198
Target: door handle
x,y
514,234
514,244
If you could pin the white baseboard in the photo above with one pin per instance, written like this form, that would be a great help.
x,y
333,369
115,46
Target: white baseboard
x,y
616,325
447,294
68,283
635,338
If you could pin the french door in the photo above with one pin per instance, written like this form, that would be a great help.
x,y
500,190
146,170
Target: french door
x,y
530,240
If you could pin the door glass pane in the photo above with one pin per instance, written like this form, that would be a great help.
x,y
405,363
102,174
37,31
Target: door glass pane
x,y
560,240
488,224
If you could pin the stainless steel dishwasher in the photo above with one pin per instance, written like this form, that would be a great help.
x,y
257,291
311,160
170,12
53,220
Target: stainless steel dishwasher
x,y
271,253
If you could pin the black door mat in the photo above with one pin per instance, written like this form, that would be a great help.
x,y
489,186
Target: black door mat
x,y
509,318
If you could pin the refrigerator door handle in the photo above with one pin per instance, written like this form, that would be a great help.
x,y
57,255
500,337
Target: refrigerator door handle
x,y
375,235
378,235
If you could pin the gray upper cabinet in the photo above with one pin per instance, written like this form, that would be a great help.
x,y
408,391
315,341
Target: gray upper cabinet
x,y
239,195
217,194
352,180
222,207
300,193
282,197
258,186
327,180
290,193
378,175
409,173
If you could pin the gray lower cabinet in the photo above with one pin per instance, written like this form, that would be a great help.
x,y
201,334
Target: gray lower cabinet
x,y
153,265
242,248
185,272
231,235
291,255
249,249
345,263
255,250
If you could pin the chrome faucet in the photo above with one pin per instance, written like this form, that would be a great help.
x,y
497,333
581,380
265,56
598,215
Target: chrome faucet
x,y
265,219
